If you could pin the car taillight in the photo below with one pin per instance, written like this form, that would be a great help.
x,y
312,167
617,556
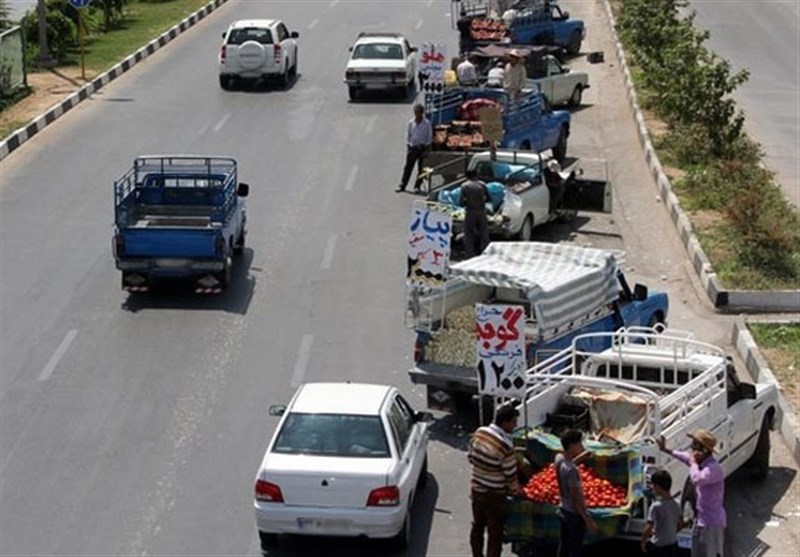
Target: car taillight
x,y
222,53
119,244
268,492
419,351
277,53
388,496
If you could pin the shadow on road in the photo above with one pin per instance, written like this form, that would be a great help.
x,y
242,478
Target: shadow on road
x,y
179,293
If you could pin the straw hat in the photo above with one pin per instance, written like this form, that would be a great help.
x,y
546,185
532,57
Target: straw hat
x,y
515,53
705,438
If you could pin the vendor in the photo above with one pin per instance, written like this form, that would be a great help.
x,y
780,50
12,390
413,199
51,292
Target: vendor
x,y
496,75
515,75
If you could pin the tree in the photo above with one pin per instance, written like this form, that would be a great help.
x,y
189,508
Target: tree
x,y
5,15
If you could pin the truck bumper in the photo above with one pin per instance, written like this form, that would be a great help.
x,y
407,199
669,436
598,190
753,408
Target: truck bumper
x,y
174,267
445,385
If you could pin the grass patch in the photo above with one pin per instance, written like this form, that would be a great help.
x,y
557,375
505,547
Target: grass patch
x,y
780,345
6,128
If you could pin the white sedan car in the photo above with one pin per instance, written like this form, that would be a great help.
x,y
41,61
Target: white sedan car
x,y
346,460
381,62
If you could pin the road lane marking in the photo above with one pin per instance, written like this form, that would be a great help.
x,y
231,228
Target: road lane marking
x,y
301,363
327,257
334,3
428,4
419,24
313,24
371,123
58,354
351,178
222,122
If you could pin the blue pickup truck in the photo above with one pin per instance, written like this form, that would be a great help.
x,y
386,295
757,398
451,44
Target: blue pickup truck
x,y
528,124
535,22
179,216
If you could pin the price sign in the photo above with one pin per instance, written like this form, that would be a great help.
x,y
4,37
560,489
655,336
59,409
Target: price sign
x,y
431,67
491,123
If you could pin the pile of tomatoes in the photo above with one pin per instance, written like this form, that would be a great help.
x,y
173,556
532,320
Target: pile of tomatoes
x,y
598,492
487,30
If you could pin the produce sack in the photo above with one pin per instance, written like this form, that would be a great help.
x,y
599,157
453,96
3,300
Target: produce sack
x,y
621,466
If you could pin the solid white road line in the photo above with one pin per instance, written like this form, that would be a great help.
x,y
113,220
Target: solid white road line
x,y
313,24
351,178
222,122
327,257
58,354
371,123
302,360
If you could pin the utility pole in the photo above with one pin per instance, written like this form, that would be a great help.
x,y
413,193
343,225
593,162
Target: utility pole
x,y
44,58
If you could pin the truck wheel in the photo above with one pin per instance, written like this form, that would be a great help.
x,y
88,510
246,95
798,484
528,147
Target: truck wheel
x,y
353,93
526,232
576,97
560,150
238,247
224,277
574,46
759,462
267,540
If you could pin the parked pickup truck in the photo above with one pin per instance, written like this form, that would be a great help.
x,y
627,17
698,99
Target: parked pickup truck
x,y
527,124
545,72
524,192
533,22
566,291
645,384
178,216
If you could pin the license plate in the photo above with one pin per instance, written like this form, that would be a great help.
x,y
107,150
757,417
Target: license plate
x,y
321,523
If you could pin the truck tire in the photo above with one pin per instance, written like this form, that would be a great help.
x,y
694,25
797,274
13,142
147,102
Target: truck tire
x,y
560,150
352,93
574,46
576,97
758,464
224,276
526,231
238,247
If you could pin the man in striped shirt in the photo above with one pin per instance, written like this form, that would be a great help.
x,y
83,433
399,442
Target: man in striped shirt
x,y
494,477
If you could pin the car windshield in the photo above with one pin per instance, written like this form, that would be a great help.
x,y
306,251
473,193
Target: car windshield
x,y
378,51
332,435
260,35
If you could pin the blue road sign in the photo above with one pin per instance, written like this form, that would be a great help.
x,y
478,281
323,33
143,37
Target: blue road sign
x,y
77,4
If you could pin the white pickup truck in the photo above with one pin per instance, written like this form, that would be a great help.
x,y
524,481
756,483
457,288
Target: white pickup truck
x,y
522,197
649,384
558,83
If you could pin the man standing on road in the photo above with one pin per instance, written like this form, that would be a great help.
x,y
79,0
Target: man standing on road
x,y
708,479
494,477
419,136
572,513
474,197
515,75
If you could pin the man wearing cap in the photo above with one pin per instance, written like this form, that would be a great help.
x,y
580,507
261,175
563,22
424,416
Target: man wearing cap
x,y
514,75
708,478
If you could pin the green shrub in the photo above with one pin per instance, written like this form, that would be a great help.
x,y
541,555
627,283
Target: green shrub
x,y
61,33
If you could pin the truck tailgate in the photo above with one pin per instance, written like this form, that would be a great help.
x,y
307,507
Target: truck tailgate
x,y
189,243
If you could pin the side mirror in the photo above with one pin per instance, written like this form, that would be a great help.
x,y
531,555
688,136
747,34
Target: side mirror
x,y
294,34
349,49
277,409
414,49
639,293
421,416
224,33
564,15
747,391
243,190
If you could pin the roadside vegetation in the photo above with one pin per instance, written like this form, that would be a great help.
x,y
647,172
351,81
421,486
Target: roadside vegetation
x,y
780,345
746,226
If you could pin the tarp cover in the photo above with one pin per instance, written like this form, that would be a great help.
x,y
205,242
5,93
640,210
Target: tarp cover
x,y
565,284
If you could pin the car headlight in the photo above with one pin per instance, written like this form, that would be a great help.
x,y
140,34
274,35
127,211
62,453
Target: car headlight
x,y
512,205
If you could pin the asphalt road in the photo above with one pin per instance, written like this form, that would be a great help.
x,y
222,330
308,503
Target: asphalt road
x,y
763,37
134,425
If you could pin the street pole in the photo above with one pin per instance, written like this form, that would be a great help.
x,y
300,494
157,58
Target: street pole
x,y
44,58
80,39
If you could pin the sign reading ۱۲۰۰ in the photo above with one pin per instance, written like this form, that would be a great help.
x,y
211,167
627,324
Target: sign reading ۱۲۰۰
x,y
428,253
500,336
432,59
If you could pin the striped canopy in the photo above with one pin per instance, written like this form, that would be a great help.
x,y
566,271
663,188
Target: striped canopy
x,y
566,284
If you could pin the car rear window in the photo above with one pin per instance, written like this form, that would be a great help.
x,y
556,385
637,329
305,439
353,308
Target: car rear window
x,y
332,435
378,51
260,35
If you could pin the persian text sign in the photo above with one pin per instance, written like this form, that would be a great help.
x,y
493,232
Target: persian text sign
x,y
432,59
500,332
428,247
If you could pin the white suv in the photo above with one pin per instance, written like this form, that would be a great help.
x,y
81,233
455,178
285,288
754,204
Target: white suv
x,y
382,61
256,49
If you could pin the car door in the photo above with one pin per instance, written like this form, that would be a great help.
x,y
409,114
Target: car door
x,y
407,440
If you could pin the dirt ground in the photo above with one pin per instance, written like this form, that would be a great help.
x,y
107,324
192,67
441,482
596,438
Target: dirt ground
x,y
49,88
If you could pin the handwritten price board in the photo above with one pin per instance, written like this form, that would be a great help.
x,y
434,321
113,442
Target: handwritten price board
x,y
432,59
428,247
500,334
491,123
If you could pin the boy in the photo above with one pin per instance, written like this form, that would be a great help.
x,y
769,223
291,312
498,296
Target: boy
x,y
663,519
572,513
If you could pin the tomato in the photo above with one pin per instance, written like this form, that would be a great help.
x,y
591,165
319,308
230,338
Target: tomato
x,y
598,491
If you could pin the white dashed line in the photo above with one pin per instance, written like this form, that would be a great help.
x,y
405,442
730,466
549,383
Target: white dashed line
x,y
334,3
222,122
428,4
419,24
351,178
327,257
371,123
58,354
313,24
302,360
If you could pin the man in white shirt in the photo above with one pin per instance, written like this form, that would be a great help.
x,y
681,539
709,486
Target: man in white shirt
x,y
515,75
496,76
467,75
419,136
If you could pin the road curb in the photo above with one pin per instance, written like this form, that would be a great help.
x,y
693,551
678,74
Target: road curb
x,y
787,423
724,300
20,136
